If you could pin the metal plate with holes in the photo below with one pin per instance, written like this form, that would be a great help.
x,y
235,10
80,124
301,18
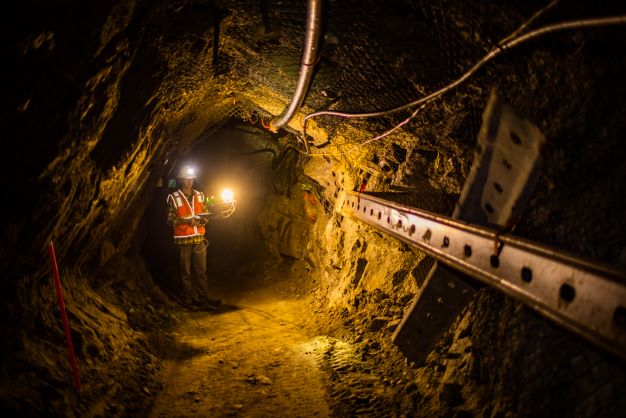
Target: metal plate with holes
x,y
506,167
441,298
584,296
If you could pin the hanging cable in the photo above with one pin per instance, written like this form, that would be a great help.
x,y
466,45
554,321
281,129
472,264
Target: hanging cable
x,y
398,126
512,35
527,23
501,47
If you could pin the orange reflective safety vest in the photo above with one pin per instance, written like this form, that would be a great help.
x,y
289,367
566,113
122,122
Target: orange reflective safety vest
x,y
184,209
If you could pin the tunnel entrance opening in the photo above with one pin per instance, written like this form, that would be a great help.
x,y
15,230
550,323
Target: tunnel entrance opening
x,y
238,157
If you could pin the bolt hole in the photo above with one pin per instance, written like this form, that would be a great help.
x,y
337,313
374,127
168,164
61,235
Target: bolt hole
x,y
497,187
489,208
412,230
364,208
379,215
358,207
494,260
352,204
371,212
527,274
516,139
567,292
446,242
506,164
619,316
399,223
427,235
388,220
467,250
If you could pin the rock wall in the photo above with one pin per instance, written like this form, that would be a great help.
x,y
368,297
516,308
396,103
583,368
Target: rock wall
x,y
103,100
499,358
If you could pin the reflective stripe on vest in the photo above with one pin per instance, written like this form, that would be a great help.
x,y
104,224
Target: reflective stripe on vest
x,y
186,210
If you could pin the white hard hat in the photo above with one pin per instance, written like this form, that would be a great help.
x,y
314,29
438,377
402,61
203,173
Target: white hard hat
x,y
186,172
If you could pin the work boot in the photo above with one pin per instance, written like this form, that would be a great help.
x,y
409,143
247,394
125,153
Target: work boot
x,y
212,304
187,303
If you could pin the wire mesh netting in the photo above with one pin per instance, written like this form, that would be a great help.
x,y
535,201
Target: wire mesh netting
x,y
379,55
376,56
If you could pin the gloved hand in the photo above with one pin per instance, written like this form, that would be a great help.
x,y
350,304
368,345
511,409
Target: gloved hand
x,y
198,221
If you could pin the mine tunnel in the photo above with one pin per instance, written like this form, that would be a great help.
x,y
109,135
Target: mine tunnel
x,y
425,215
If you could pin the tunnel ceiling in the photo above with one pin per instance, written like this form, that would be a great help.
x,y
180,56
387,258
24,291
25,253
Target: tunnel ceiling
x,y
105,98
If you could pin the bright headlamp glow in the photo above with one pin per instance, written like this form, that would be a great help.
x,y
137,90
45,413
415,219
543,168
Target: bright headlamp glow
x,y
187,172
227,196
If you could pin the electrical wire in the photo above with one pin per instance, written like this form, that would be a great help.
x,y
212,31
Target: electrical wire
x,y
527,23
500,48
230,209
398,126
222,215
512,35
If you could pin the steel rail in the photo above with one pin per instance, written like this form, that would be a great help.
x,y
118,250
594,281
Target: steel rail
x,y
584,296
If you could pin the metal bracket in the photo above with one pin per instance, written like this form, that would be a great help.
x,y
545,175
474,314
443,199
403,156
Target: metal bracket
x,y
583,296
505,170
504,173
442,296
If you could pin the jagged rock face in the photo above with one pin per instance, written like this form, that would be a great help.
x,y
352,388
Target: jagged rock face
x,y
105,99
111,100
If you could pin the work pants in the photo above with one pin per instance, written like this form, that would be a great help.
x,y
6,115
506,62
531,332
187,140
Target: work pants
x,y
193,273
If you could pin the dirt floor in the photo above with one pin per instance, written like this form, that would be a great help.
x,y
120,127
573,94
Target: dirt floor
x,y
277,348
271,350
254,357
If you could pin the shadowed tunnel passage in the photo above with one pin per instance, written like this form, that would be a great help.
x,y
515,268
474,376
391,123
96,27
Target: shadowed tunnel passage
x,y
103,102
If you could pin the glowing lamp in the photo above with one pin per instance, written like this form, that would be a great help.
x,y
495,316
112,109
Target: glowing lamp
x,y
227,196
